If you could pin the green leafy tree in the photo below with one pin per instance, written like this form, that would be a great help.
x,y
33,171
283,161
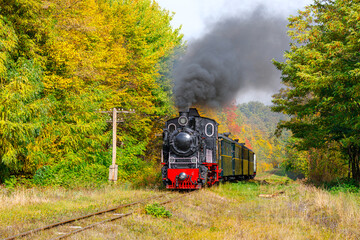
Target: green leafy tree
x,y
321,73
23,106
62,61
100,55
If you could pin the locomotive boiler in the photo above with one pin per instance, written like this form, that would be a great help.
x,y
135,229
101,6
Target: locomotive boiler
x,y
194,155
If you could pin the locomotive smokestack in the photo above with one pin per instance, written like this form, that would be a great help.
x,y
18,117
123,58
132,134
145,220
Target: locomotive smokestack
x,y
184,113
190,112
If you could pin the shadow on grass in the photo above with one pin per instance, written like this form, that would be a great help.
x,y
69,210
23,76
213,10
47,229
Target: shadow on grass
x,y
283,173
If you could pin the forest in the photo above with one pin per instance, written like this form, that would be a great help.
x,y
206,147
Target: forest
x,y
62,63
321,93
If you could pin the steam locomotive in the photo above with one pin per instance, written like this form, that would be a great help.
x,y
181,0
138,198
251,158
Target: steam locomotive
x,y
194,155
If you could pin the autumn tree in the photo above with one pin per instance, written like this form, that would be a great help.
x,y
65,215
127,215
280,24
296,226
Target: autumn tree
x,y
321,75
63,61
23,106
105,54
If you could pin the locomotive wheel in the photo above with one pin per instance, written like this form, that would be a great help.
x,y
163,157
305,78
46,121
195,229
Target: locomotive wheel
x,y
205,181
204,171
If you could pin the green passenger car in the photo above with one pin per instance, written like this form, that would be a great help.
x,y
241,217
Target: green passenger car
x,y
235,159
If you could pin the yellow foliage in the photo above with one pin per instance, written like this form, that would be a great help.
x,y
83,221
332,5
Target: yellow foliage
x,y
8,41
263,167
81,56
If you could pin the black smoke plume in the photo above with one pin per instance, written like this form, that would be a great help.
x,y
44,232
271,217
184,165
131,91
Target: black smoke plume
x,y
232,58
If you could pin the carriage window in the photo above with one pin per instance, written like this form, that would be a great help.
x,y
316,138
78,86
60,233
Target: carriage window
x,y
226,148
246,154
209,129
171,127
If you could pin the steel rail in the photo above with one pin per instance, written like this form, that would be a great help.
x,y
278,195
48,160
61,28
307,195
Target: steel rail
x,y
77,218
91,226
109,220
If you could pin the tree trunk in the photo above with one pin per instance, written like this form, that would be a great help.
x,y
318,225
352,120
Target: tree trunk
x,y
354,152
357,168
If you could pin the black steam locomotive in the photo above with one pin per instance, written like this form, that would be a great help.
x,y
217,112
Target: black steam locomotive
x,y
194,155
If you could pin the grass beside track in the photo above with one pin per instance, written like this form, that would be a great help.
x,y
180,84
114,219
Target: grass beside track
x,y
270,207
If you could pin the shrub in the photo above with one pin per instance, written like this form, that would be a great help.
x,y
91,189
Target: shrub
x,y
342,185
83,175
157,210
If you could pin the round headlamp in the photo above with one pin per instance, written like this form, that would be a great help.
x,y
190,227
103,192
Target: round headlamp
x,y
182,176
183,120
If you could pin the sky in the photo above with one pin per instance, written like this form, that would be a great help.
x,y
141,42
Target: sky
x,y
195,17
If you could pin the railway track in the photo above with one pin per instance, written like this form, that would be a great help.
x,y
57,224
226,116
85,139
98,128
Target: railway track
x,y
64,229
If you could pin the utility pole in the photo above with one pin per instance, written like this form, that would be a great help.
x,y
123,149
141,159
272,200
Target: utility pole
x,y
113,169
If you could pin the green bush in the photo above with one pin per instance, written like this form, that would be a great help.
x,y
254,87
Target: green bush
x,y
157,210
84,175
11,182
343,185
